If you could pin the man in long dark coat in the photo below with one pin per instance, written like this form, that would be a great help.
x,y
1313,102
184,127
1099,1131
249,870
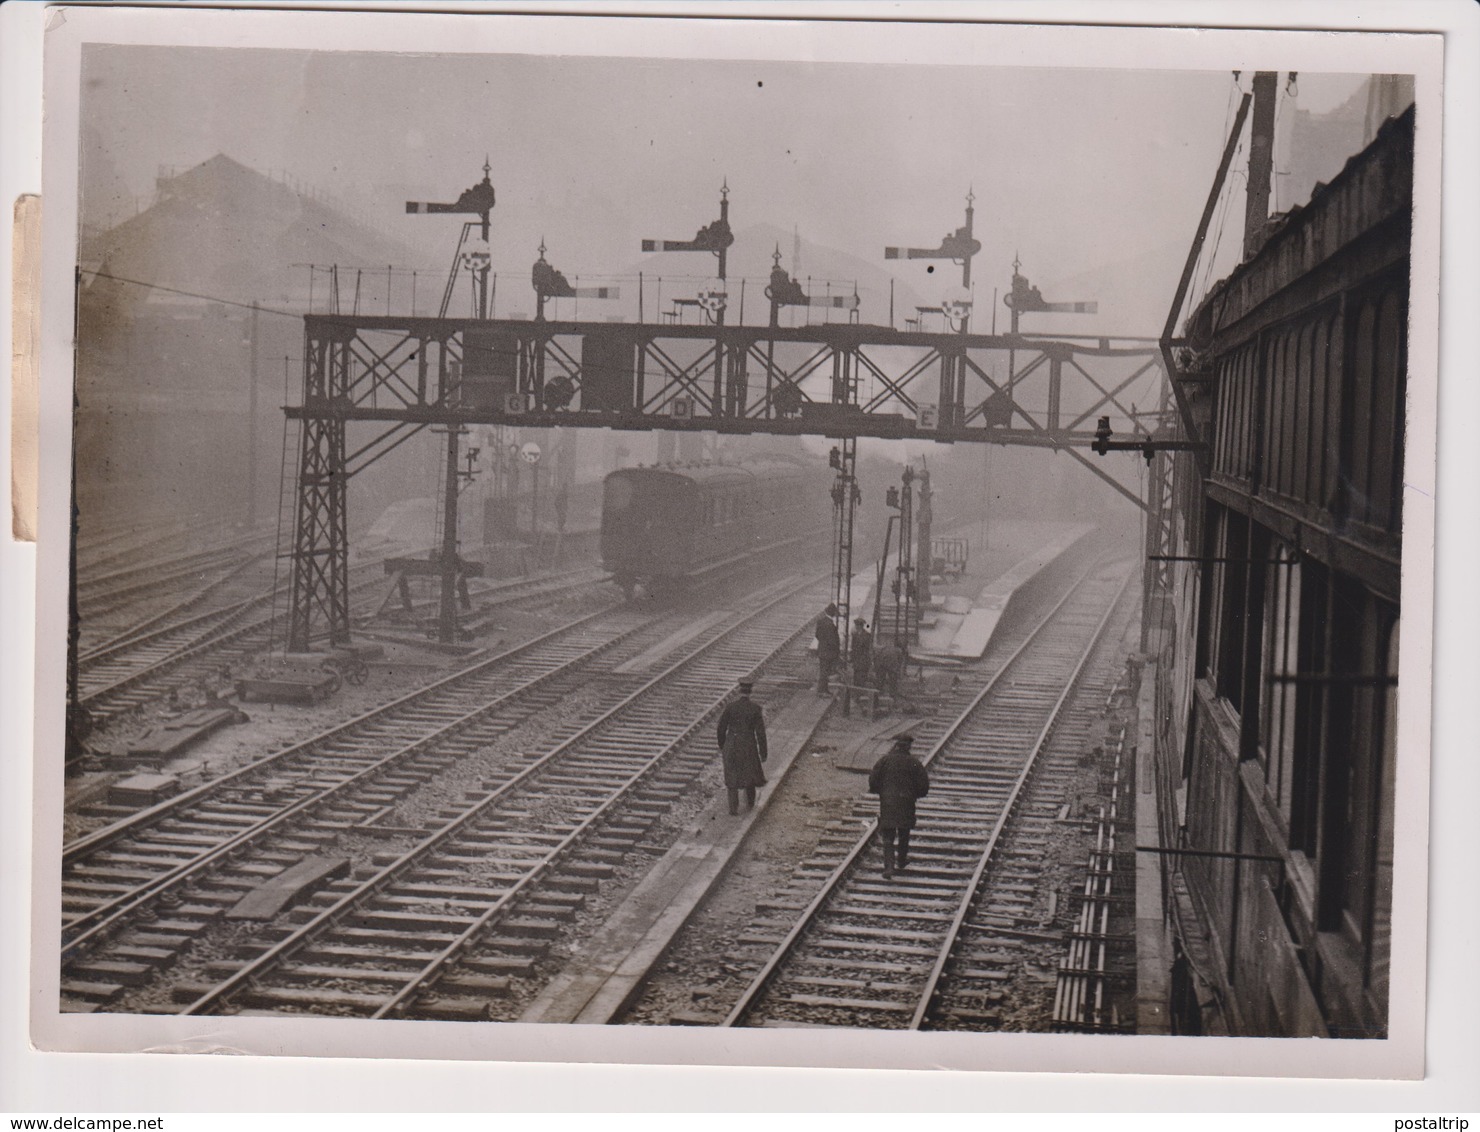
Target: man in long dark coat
x,y
898,779
888,667
862,648
742,738
829,647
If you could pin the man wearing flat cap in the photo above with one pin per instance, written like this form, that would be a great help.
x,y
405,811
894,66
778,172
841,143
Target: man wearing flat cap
x,y
828,647
898,779
742,739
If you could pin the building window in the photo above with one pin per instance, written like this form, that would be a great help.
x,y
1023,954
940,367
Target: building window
x,y
1279,738
1233,596
1356,847
1373,398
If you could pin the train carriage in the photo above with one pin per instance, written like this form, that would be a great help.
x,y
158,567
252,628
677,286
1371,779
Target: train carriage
x,y
665,528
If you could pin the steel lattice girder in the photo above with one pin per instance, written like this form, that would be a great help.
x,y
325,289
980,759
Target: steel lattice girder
x,y
737,379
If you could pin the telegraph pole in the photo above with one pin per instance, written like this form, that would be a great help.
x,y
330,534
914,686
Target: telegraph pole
x,y
845,496
479,200
1261,160
923,557
252,422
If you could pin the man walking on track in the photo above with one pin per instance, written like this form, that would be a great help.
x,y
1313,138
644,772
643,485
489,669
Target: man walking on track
x,y
742,738
828,647
898,779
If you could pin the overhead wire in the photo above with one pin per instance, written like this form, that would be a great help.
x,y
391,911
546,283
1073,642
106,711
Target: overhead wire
x,y
1208,253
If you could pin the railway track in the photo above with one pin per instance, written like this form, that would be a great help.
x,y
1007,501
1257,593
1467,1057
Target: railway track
x,y
176,615
135,670
140,669
103,544
100,595
492,594
437,932
189,859
842,946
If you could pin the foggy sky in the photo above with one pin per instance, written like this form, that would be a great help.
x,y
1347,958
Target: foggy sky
x,y
1074,170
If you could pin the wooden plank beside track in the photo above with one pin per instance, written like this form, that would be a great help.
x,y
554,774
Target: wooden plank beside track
x,y
289,886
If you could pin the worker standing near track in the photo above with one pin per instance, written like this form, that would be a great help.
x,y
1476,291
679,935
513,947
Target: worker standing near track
x,y
742,739
829,647
862,648
898,779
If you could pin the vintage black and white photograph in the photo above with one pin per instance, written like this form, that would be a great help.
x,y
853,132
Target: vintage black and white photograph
x,y
763,536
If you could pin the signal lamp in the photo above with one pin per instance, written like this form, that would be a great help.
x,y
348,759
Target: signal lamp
x,y
1102,436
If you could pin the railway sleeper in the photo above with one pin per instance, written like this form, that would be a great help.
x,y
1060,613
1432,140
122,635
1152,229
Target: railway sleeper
x,y
94,992
982,974
979,1018
934,911
507,856
520,965
767,940
153,956
164,837
531,927
126,876
461,983
494,836
206,892
190,918
263,996
362,805
333,955
881,947
306,841
831,966
541,908
976,997
485,866
150,855
622,842
102,889
847,984
431,878
385,918
781,907
866,932
851,1003
432,941
516,945
127,973
434,1009
918,875
423,893
157,941
310,973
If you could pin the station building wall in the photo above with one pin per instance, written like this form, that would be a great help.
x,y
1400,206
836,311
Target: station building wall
x,y
1282,780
